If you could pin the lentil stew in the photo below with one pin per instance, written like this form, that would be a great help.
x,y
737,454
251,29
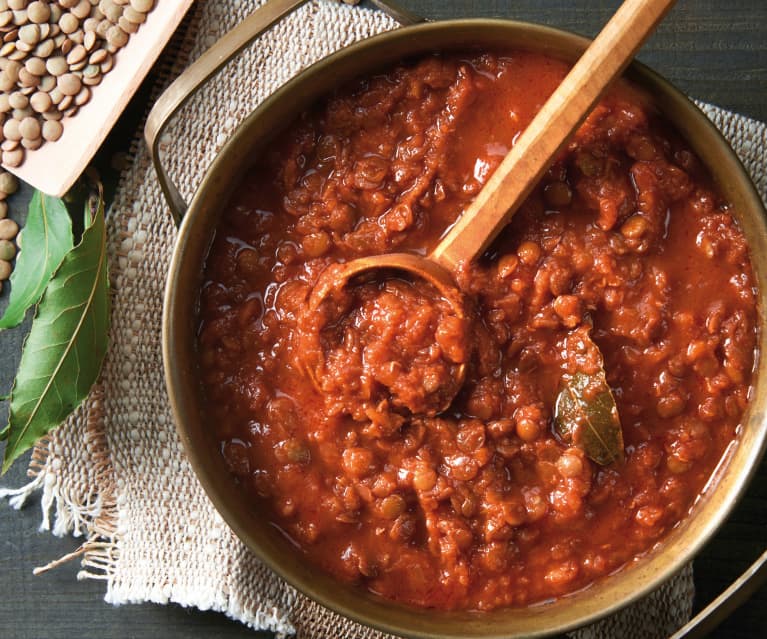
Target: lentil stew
x,y
482,505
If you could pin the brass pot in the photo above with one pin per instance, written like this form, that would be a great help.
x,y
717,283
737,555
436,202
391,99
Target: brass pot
x,y
185,276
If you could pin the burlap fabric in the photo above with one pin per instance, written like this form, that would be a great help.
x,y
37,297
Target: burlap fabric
x,y
116,472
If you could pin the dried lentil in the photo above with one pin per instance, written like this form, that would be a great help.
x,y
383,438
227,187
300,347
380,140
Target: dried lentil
x,y
38,12
116,37
29,34
69,84
9,183
40,102
52,130
8,229
35,66
7,251
18,100
13,158
5,272
11,130
142,6
30,128
57,65
32,143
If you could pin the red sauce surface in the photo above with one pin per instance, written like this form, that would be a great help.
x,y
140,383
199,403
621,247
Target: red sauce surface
x,y
480,505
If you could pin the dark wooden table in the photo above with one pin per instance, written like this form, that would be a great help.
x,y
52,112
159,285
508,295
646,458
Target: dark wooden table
x,y
712,49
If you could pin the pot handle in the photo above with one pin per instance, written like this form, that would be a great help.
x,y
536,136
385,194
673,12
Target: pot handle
x,y
205,67
739,591
399,13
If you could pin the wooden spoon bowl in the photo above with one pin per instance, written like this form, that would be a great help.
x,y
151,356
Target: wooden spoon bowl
x,y
337,276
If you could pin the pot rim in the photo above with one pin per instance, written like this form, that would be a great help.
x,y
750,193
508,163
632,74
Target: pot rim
x,y
180,380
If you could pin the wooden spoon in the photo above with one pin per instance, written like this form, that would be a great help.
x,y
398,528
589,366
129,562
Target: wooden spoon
x,y
522,168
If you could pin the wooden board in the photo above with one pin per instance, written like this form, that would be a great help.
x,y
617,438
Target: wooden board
x,y
55,166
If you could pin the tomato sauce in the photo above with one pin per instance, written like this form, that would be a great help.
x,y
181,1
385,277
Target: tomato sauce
x,y
479,504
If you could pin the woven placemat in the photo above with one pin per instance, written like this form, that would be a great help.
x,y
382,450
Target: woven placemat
x,y
116,473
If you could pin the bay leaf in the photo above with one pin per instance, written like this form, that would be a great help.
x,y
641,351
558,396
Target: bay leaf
x,y
586,416
47,239
66,345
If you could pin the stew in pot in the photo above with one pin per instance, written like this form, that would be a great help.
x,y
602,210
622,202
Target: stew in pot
x,y
624,270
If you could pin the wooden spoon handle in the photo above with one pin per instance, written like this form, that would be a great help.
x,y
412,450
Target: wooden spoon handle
x,y
549,131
